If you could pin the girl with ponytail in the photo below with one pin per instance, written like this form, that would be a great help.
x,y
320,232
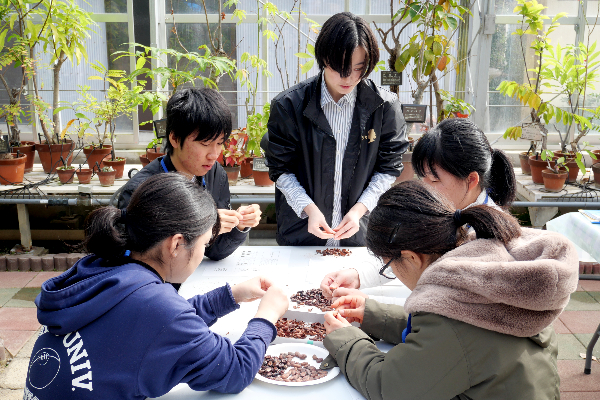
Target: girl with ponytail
x,y
454,157
478,321
114,330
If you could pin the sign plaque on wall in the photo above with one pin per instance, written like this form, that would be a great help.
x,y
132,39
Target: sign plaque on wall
x,y
391,78
414,112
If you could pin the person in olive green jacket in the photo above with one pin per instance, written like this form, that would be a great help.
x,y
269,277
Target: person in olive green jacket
x,y
478,322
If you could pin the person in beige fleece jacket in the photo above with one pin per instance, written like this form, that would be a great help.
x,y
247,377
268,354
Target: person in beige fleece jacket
x,y
478,322
456,158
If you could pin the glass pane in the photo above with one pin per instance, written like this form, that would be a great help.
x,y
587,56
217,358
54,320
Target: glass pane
x,y
194,35
508,59
115,6
197,7
506,7
359,6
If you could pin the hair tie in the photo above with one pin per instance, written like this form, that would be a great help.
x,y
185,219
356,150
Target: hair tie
x,y
123,216
457,219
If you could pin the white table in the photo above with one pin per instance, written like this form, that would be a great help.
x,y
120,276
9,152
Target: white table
x,y
293,268
579,230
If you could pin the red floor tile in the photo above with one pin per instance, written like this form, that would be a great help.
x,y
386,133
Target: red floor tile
x,y
15,279
559,327
580,321
41,278
15,340
18,319
590,286
572,378
579,396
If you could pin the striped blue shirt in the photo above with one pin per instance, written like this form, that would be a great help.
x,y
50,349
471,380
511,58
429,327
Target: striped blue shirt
x,y
339,115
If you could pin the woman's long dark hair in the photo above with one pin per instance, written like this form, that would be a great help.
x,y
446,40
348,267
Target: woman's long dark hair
x,y
162,206
459,147
414,216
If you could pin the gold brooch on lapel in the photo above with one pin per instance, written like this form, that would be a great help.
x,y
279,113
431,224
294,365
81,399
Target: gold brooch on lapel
x,y
372,135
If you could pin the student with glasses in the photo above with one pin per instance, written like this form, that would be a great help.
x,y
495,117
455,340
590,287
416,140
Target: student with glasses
x,y
454,157
477,324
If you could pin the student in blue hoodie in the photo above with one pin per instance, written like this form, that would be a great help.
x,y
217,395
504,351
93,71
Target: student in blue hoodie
x,y
112,328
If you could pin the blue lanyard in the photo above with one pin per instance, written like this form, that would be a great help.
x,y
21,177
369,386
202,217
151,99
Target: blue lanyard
x,y
487,195
164,167
407,330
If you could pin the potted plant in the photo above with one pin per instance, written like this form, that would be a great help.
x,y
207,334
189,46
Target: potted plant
x,y
234,154
122,96
596,172
257,127
66,174
554,176
12,168
153,150
84,175
106,176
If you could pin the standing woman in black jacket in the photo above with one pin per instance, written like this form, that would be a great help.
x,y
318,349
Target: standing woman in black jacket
x,y
334,142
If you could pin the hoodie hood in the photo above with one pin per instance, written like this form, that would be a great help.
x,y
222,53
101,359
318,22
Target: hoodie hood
x,y
516,289
87,291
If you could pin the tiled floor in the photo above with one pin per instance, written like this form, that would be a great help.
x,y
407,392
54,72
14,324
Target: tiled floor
x,y
575,326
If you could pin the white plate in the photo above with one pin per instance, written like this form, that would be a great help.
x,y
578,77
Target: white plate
x,y
302,348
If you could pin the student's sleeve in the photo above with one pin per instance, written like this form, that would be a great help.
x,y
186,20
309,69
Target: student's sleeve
x,y
226,243
394,140
430,365
214,304
186,351
280,142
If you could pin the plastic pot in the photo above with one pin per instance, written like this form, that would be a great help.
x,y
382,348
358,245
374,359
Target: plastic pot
x,y
12,171
50,155
232,174
596,172
106,178
27,148
118,165
144,160
66,175
537,166
153,154
554,182
246,168
524,160
84,175
95,155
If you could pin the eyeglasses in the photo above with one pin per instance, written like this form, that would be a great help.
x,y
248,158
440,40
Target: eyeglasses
x,y
386,271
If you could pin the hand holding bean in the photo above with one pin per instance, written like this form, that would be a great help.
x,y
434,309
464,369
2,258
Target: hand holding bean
x,y
351,307
251,290
334,321
347,278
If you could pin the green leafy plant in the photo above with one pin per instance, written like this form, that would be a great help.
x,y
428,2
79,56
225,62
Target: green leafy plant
x,y
454,107
155,143
122,95
66,167
256,129
106,169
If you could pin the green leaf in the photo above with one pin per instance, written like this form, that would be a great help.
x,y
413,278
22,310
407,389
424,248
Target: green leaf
x,y
140,63
80,115
307,66
310,48
453,23
303,55
59,109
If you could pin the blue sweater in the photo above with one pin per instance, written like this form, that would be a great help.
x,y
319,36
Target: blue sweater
x,y
121,333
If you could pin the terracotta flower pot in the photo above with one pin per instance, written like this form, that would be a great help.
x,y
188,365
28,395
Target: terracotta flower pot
x,y
50,155
153,154
597,154
118,165
84,175
596,172
246,168
66,175
565,154
27,148
261,178
12,171
554,182
232,174
524,160
537,166
573,171
106,178
144,160
96,155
